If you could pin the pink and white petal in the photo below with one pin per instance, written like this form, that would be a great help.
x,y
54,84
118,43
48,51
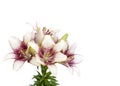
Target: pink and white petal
x,y
72,49
48,42
53,69
28,37
62,45
9,56
60,57
14,43
18,64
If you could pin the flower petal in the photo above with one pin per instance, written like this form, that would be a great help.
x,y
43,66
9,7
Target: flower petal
x,y
47,42
55,38
53,69
72,49
60,57
28,37
9,56
33,62
36,61
39,37
74,69
14,43
78,59
33,45
18,64
62,45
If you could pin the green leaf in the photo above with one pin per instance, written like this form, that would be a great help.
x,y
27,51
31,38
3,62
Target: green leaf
x,y
48,74
44,78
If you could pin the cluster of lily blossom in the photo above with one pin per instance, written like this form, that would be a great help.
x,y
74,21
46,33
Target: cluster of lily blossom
x,y
42,47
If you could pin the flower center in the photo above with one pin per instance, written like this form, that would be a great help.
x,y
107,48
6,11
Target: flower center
x,y
20,53
47,55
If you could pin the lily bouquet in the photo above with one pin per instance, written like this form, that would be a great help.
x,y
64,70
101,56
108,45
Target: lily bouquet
x,y
43,48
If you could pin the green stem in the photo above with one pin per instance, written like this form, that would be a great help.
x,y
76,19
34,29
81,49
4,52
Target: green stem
x,y
44,78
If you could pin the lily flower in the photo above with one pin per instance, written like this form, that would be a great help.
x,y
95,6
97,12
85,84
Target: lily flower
x,y
72,59
19,48
50,52
20,52
41,32
42,47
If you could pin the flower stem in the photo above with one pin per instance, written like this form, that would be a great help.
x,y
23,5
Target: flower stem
x,y
44,78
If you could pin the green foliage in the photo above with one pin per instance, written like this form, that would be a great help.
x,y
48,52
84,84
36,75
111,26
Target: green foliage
x,y
44,78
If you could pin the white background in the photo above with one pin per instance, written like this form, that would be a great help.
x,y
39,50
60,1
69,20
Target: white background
x,y
93,24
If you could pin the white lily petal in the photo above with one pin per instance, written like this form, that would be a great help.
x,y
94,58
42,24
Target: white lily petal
x,y
34,45
14,43
54,31
53,69
55,38
77,71
9,56
18,64
62,45
33,61
78,59
36,61
72,49
47,42
28,37
74,69
60,57
39,37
